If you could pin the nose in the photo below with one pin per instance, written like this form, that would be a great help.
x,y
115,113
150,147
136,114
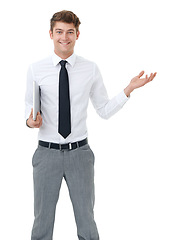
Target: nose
x,y
64,36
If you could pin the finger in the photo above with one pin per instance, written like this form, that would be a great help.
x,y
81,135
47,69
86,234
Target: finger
x,y
154,75
38,117
40,123
151,77
37,124
38,120
31,113
140,74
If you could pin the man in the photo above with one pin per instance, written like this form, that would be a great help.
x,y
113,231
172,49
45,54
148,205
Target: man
x,y
67,81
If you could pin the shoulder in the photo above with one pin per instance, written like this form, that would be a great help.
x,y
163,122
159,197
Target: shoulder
x,y
89,67
85,62
43,63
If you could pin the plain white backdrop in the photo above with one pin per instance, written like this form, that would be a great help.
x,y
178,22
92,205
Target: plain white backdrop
x,y
137,160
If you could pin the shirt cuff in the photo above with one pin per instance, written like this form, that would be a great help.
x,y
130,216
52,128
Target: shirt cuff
x,y
122,98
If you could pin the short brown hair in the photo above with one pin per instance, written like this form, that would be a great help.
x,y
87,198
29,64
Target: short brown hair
x,y
65,16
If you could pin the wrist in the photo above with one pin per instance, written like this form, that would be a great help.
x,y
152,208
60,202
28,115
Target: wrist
x,y
128,90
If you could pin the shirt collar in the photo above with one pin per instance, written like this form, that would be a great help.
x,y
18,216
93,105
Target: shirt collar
x,y
71,60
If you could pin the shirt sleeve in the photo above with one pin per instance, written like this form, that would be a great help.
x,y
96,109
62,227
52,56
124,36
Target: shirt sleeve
x,y
104,106
29,92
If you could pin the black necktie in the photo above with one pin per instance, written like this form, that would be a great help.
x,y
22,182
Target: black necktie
x,y
64,126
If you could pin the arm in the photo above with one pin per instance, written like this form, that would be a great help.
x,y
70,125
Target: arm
x,y
138,82
29,102
106,107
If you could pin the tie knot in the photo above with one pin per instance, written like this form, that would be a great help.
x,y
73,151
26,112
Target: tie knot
x,y
62,63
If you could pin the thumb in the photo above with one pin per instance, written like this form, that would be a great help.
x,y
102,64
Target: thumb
x,y
31,114
140,74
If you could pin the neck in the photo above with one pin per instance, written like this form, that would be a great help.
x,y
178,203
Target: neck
x,y
63,55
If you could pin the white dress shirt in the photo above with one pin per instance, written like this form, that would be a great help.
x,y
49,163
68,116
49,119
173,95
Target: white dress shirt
x,y
85,83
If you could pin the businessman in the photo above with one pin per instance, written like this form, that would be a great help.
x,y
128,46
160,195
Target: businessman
x,y
67,82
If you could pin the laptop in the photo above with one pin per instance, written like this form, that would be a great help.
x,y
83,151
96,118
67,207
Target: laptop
x,y
36,99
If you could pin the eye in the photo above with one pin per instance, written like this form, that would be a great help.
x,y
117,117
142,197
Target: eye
x,y
59,32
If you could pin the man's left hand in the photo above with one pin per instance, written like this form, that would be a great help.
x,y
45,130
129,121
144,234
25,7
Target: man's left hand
x,y
138,82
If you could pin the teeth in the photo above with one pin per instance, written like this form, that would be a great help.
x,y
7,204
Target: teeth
x,y
64,43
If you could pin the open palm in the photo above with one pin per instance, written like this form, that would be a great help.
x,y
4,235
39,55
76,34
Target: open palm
x,y
137,81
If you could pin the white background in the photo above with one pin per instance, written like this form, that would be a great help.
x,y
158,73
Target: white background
x,y
136,166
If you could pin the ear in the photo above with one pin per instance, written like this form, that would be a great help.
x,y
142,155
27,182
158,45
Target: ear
x,y
77,35
51,34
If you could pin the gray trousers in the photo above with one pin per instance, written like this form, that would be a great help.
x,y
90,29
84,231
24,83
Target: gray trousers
x,y
76,166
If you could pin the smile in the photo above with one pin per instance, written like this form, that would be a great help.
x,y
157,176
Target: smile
x,y
64,43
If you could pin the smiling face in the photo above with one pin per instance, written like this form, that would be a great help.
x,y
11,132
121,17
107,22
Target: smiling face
x,y
64,37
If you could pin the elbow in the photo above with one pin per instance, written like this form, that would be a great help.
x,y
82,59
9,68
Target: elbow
x,y
103,115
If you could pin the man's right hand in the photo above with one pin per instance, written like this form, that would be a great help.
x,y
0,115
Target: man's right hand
x,y
34,124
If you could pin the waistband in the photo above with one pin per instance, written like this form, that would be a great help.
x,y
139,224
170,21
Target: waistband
x,y
68,146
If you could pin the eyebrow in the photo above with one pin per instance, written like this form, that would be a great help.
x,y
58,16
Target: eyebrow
x,y
58,29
